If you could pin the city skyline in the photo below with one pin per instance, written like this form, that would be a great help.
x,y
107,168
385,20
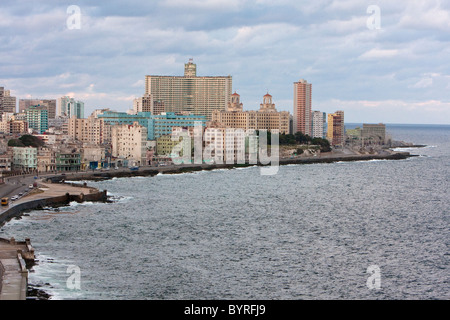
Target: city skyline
x,y
396,72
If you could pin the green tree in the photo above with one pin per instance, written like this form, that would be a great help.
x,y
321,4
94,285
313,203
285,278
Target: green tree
x,y
31,141
15,143
302,138
323,143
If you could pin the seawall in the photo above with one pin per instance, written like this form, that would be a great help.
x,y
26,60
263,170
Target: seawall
x,y
184,168
18,209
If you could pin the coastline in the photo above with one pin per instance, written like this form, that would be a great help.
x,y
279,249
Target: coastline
x,y
186,168
81,193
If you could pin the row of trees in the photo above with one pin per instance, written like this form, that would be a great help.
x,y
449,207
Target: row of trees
x,y
300,138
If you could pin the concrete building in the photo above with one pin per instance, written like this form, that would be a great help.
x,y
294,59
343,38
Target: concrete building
x,y
266,118
302,107
25,159
148,104
68,161
157,125
91,130
191,93
369,134
319,124
69,107
336,128
93,156
7,102
48,104
37,118
46,160
165,123
375,133
129,142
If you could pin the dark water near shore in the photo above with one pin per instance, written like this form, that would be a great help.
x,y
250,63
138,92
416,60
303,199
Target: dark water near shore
x,y
309,232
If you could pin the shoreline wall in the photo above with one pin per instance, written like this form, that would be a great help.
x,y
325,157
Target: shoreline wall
x,y
19,209
184,168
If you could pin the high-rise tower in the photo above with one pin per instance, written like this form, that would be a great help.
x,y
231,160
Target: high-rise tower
x,y
302,107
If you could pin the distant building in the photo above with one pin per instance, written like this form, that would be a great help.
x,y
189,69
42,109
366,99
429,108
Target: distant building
x,y
69,107
302,107
198,95
376,133
319,122
68,161
129,143
147,104
91,130
48,104
266,118
37,118
25,159
157,125
336,128
7,102
368,134
46,160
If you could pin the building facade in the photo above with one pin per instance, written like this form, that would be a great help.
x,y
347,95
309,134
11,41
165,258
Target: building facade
x,y
302,107
336,128
37,118
48,104
25,158
7,102
319,124
148,104
191,93
129,142
91,130
69,107
266,118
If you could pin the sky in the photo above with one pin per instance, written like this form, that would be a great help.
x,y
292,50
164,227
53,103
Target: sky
x,y
378,61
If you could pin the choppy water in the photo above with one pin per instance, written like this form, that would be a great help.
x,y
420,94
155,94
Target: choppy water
x,y
309,232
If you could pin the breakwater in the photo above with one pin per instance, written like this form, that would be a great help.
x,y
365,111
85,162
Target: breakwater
x,y
185,168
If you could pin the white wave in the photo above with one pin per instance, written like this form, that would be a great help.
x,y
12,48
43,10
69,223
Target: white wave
x,y
245,168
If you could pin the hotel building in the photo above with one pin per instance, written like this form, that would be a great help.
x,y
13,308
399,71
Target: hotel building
x,y
198,95
266,118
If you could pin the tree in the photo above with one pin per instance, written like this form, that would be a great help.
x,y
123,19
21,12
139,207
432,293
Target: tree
x,y
15,143
26,141
323,143
302,138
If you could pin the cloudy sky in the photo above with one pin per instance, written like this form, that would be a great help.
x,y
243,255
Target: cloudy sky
x,y
393,67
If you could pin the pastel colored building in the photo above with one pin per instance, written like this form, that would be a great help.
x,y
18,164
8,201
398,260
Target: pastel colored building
x,y
25,158
336,128
302,107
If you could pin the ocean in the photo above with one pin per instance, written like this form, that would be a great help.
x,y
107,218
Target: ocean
x,y
315,231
